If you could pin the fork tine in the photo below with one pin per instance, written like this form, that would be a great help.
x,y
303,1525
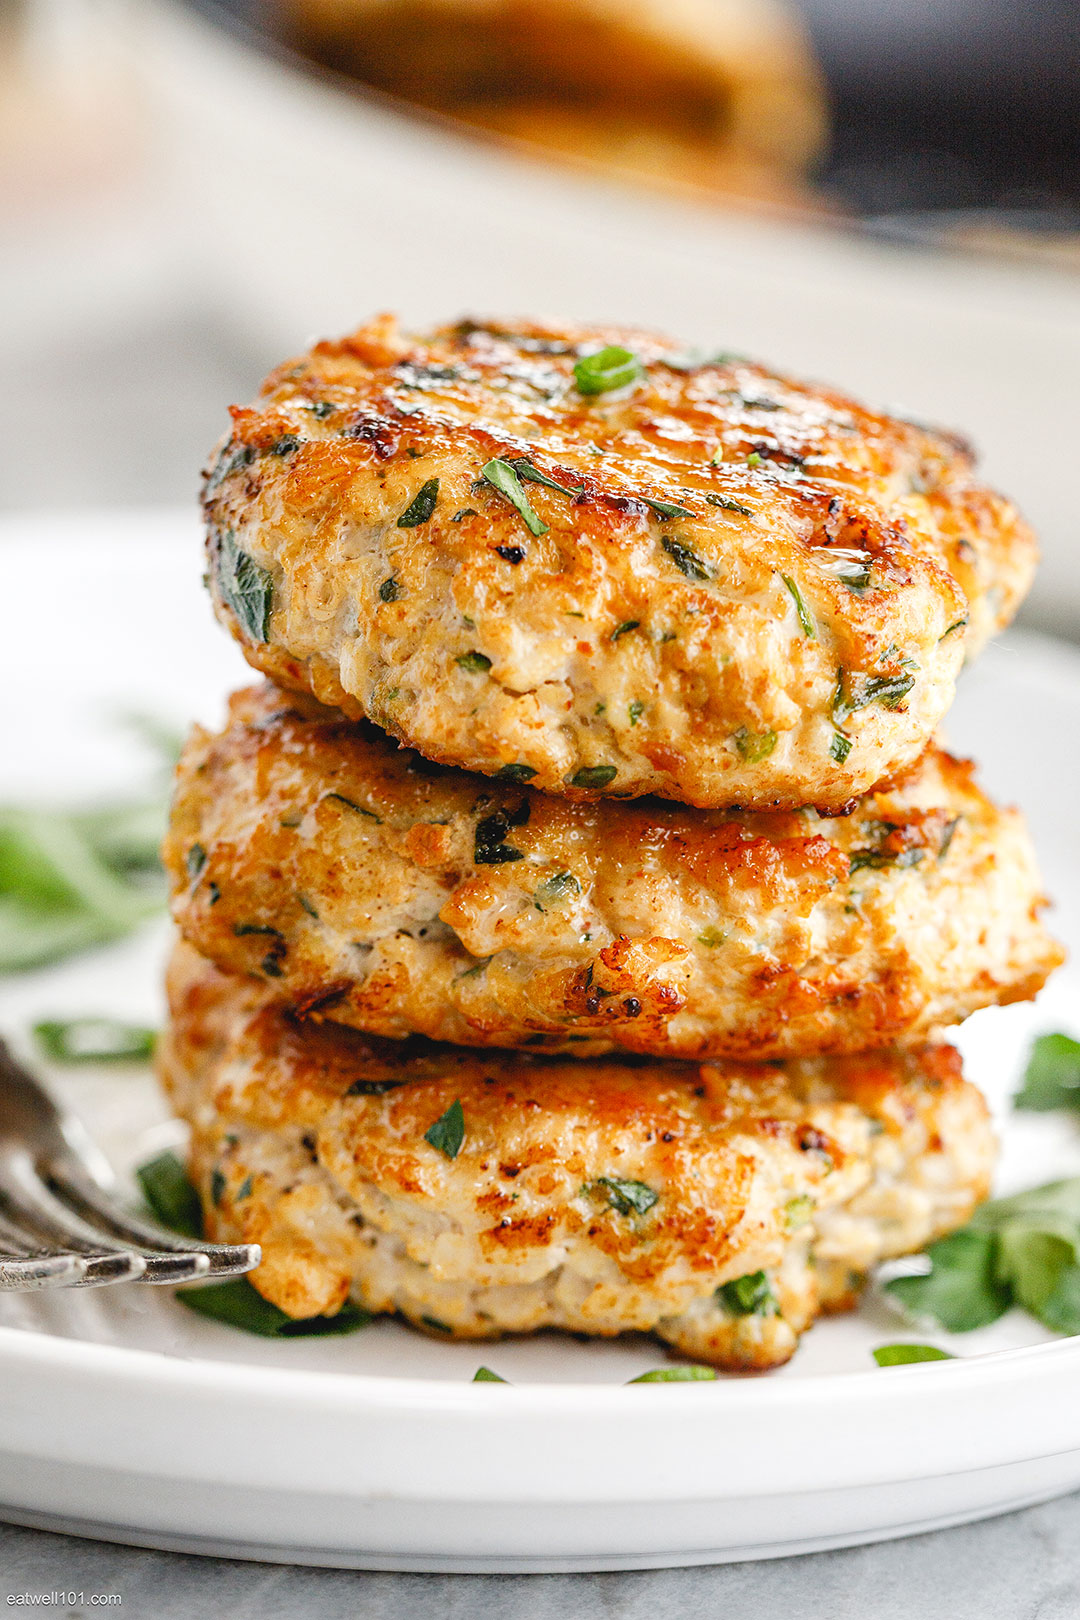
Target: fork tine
x,y
42,1271
59,1226
45,1222
24,1263
169,1259
223,1259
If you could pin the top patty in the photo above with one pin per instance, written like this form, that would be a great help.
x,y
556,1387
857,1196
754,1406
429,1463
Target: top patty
x,y
709,582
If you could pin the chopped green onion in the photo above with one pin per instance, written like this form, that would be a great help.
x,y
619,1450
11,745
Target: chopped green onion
x,y
516,773
613,367
754,746
839,747
484,1375
806,622
625,628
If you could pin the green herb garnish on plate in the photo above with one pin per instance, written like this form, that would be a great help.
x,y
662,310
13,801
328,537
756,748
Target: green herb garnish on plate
x,y
1052,1077
1023,1250
94,1040
681,1373
905,1355
236,1303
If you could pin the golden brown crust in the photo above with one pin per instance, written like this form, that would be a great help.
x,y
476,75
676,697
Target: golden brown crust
x,y
311,1141
378,891
712,657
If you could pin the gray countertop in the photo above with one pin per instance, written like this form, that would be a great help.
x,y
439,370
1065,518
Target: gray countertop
x,y
1024,1566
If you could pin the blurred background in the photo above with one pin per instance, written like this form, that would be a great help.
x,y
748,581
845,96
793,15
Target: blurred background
x,y
880,193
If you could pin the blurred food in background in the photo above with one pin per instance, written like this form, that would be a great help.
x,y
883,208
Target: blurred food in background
x,y
720,94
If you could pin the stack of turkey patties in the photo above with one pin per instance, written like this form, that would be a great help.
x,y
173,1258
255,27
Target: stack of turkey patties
x,y
569,922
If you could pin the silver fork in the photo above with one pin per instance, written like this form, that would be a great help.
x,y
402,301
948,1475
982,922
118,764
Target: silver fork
x,y
61,1225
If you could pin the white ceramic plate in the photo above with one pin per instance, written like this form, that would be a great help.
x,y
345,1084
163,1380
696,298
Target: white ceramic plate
x,y
124,1416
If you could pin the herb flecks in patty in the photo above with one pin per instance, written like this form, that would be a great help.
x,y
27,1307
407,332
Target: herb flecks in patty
x,y
421,507
501,475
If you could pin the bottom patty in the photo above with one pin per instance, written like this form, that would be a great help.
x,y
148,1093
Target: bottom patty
x,y
721,1206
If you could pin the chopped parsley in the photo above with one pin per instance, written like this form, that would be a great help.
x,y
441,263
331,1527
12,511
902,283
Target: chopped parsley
x,y
556,890
876,860
532,475
466,512
421,507
1023,1250
806,622
839,747
516,773
628,1197
94,1040
751,1295
593,777
390,590
490,848
729,505
686,561
635,710
754,746
850,567
613,367
246,588
855,691
502,476
448,1132
351,804
194,861
475,663
666,509
484,1375
625,628
904,1355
